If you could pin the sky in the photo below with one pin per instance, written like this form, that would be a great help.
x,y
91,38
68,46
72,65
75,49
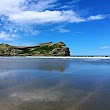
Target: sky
x,y
83,25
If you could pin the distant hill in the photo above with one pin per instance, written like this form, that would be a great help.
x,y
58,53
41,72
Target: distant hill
x,y
44,49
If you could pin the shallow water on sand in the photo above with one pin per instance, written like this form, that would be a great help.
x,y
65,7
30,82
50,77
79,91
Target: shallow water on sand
x,y
54,84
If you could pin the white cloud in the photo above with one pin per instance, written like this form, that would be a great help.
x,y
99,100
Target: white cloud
x,y
7,37
20,16
96,17
48,16
62,30
45,17
105,47
40,5
20,11
10,6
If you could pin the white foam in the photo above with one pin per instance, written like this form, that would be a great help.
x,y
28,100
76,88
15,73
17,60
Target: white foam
x,y
52,57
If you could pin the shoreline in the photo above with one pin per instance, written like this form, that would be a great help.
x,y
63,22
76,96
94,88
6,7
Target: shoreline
x,y
49,57
54,57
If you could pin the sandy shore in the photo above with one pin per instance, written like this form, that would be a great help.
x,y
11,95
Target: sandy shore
x,y
56,57
52,57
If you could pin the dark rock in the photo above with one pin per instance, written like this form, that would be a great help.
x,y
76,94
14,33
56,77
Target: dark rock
x,y
60,52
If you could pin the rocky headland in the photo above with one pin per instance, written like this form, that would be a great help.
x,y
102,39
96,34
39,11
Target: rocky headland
x,y
44,49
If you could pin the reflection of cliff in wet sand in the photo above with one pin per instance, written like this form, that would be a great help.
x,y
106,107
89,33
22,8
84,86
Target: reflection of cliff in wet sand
x,y
57,65
34,64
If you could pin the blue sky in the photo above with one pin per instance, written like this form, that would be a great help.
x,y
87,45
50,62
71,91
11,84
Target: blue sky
x,y
84,25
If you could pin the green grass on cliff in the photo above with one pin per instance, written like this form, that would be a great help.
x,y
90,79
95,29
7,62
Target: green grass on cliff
x,y
8,50
40,50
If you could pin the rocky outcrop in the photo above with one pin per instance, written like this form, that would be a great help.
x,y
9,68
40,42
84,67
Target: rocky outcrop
x,y
60,44
60,52
44,49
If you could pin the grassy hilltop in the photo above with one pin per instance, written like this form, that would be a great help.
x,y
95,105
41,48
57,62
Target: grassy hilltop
x,y
44,49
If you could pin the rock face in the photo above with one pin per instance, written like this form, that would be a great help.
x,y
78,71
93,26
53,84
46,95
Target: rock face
x,y
44,49
60,52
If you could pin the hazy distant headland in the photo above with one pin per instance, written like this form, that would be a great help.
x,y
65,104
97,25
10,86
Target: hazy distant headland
x,y
44,49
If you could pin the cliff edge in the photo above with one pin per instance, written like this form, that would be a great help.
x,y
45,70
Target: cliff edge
x,y
44,49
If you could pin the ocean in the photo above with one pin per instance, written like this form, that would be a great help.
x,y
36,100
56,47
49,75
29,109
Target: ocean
x,y
54,84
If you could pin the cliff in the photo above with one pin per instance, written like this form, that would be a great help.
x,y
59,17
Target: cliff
x,y
44,49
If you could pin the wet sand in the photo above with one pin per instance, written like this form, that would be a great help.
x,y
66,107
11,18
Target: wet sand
x,y
80,86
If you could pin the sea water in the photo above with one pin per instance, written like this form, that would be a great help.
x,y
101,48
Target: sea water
x,y
54,84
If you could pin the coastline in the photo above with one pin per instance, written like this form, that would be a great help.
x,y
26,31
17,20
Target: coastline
x,y
54,57
66,57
